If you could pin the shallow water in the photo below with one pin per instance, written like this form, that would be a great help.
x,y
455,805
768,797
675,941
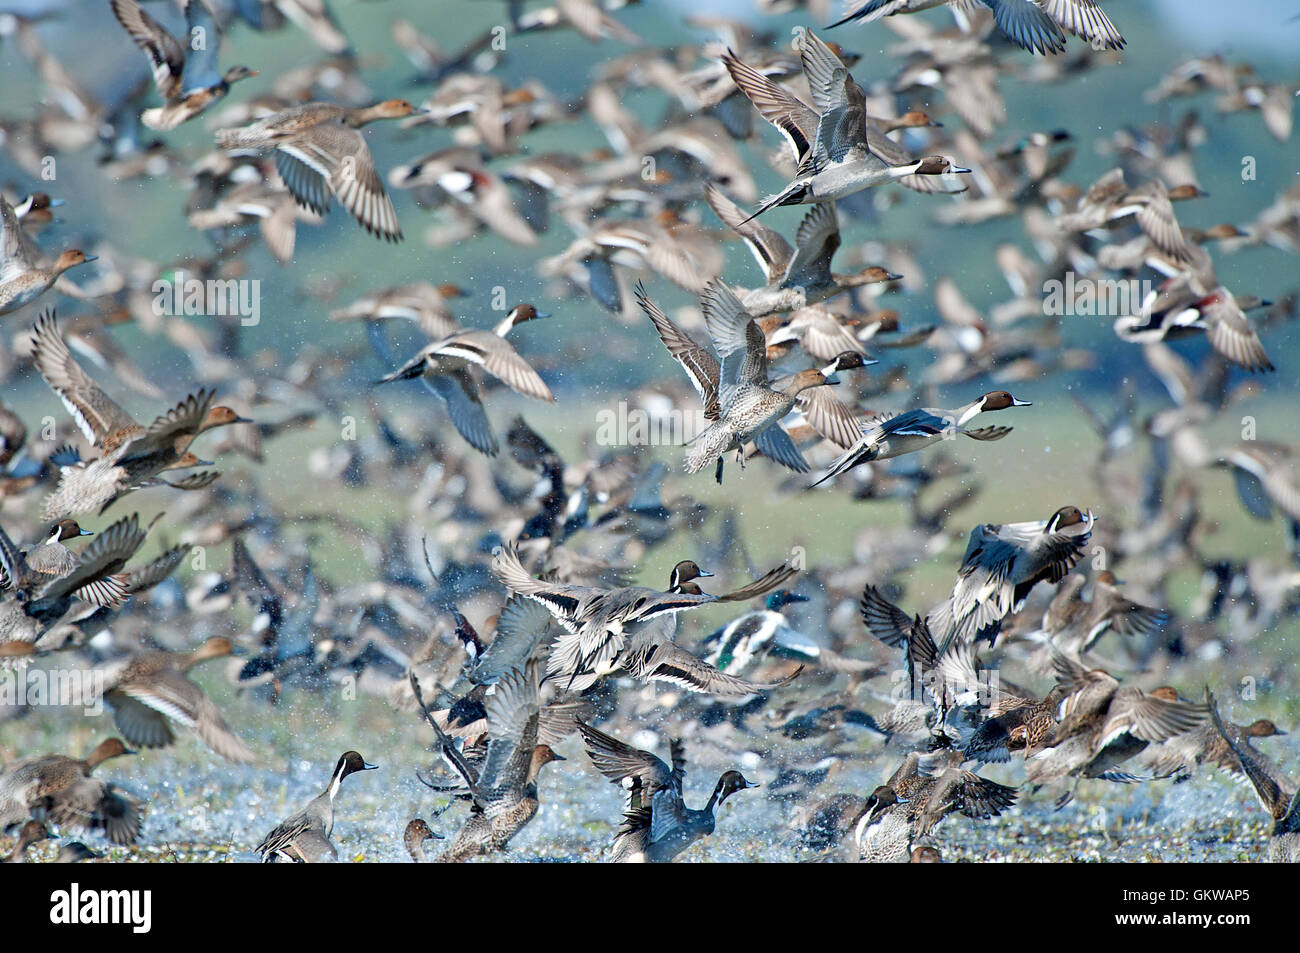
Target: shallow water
x,y
202,809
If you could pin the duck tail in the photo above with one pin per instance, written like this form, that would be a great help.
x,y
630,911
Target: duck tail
x,y
846,463
236,139
154,119
709,444
792,194
871,10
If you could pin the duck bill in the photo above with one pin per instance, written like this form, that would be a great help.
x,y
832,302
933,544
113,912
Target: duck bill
x,y
1017,402
367,766
85,532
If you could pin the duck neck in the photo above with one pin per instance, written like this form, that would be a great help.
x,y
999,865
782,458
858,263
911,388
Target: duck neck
x,y
969,411
201,654
369,114
713,798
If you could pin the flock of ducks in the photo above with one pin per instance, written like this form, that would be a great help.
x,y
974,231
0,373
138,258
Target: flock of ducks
x,y
539,547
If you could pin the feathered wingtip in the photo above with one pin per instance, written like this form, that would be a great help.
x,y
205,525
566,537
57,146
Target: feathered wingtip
x,y
790,195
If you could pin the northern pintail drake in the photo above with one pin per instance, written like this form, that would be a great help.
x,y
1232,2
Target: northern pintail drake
x,y
742,641
22,278
35,210
95,578
799,276
739,642
503,788
413,837
444,367
606,629
43,562
60,788
891,435
304,837
657,825
739,398
1038,26
1280,798
831,144
1194,302
1001,565
185,73
149,691
319,150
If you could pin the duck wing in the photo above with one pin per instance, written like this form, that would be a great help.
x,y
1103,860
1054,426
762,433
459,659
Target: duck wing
x,y
761,586
663,660
1266,786
1027,25
816,242
564,602
15,253
165,55
1086,20
619,761
200,72
95,580
794,119
775,444
496,356
737,339
465,408
172,432
820,65
523,627
94,805
97,415
335,157
172,695
700,365
512,715
829,416
770,250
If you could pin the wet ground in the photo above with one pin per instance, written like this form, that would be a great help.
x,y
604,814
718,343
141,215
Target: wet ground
x,y
204,810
